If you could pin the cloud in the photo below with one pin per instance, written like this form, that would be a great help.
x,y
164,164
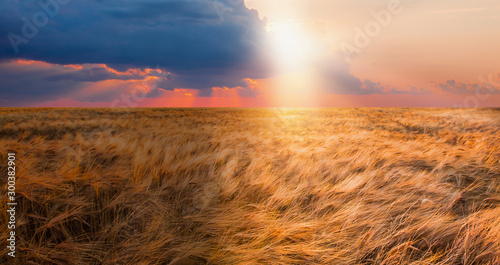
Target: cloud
x,y
35,81
203,43
248,91
412,91
454,87
335,78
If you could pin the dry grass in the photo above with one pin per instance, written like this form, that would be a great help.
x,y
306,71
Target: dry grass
x,y
268,186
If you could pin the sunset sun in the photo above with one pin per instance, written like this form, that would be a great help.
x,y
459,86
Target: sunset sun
x,y
292,46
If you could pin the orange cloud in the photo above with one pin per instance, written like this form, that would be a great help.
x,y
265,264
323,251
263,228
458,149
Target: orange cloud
x,y
129,72
226,91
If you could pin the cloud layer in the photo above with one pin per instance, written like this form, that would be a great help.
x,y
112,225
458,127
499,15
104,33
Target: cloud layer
x,y
486,87
205,43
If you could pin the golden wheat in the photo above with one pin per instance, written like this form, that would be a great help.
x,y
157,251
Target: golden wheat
x,y
254,186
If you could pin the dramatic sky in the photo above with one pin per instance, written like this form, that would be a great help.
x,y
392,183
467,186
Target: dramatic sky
x,y
253,53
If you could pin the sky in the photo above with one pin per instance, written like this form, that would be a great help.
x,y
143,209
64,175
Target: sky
x,y
253,53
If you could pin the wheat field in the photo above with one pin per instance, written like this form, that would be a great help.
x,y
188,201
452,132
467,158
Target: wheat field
x,y
253,186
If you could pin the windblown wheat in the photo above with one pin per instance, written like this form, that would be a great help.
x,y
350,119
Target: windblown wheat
x,y
254,186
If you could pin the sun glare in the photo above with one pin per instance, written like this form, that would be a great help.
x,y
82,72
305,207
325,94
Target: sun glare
x,y
292,46
293,49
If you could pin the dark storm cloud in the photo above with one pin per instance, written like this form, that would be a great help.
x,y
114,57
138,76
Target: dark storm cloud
x,y
28,82
89,73
202,79
205,43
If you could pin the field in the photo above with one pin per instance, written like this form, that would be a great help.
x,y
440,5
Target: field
x,y
253,186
